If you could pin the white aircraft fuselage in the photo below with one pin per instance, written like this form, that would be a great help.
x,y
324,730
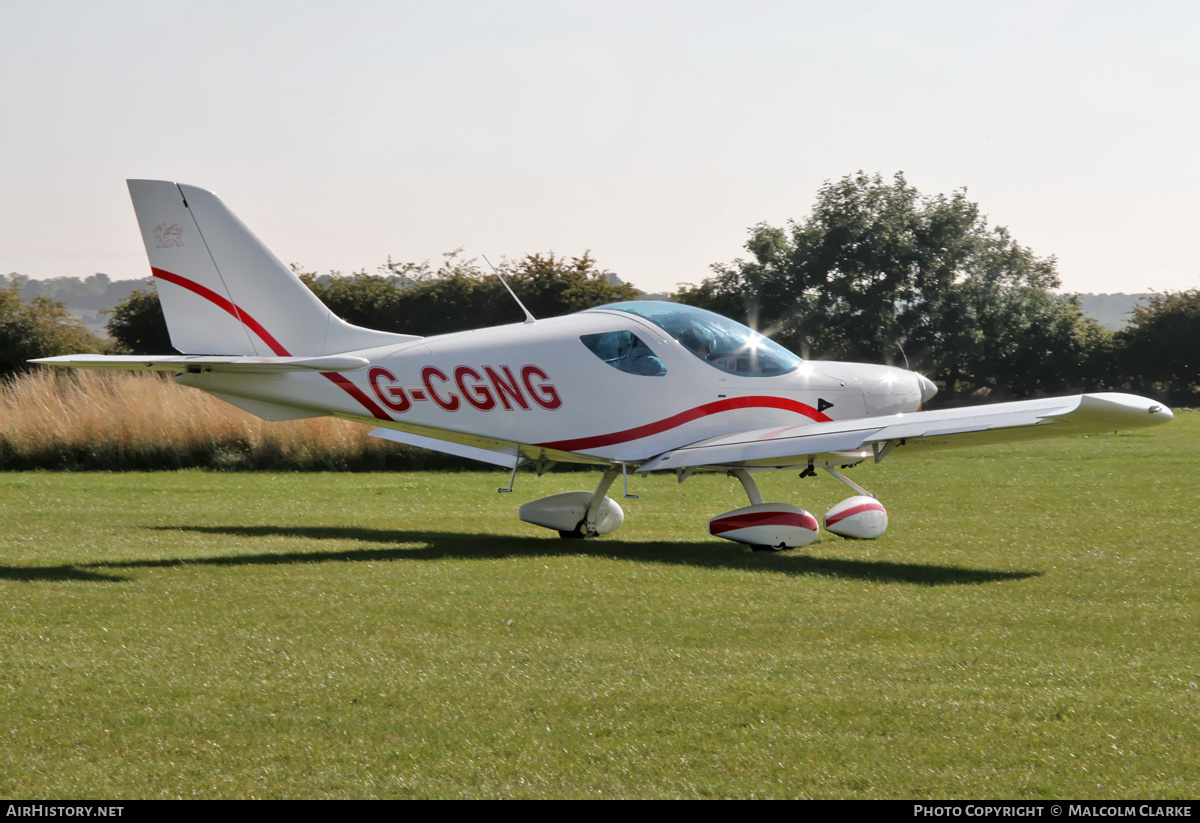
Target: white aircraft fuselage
x,y
538,384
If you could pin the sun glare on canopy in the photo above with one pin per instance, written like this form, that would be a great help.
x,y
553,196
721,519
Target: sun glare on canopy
x,y
718,341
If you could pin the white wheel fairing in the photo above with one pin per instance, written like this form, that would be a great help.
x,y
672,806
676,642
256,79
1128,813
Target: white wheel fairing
x,y
564,512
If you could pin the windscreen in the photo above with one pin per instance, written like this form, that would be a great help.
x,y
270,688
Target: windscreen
x,y
718,341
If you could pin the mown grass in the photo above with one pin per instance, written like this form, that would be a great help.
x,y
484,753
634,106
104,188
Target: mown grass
x,y
1027,628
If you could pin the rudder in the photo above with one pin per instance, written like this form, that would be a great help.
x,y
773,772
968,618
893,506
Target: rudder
x,y
223,291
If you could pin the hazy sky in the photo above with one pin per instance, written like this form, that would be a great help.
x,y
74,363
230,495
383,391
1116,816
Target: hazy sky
x,y
652,133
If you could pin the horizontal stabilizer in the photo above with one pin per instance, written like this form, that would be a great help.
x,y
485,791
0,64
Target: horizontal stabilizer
x,y
224,363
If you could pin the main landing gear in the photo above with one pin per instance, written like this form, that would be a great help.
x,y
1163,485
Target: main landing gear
x,y
763,526
777,526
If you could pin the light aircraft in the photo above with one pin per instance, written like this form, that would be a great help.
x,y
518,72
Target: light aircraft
x,y
643,385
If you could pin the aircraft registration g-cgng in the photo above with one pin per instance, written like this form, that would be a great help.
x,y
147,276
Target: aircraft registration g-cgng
x,y
643,385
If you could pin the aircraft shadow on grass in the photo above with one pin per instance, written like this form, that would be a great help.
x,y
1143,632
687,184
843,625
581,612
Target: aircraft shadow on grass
x,y
433,545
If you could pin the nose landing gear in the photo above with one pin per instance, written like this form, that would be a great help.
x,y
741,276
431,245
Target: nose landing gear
x,y
578,514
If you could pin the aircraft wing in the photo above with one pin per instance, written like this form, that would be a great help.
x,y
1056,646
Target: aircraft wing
x,y
782,447
206,363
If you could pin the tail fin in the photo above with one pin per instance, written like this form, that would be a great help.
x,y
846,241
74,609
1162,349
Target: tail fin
x,y
223,291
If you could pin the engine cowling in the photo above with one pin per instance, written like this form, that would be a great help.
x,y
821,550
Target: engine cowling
x,y
774,525
859,517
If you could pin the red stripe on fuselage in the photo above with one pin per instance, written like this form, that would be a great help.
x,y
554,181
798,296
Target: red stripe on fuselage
x,y
241,315
357,393
676,420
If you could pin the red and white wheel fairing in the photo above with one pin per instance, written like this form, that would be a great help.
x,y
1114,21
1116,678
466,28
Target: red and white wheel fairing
x,y
859,517
778,525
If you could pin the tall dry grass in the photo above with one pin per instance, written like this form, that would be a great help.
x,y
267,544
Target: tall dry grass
x,y
51,419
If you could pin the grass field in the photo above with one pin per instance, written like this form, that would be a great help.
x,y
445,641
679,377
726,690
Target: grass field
x,y
1027,628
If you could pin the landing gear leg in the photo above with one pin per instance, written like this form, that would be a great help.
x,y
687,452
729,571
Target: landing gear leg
x,y
849,482
587,526
861,517
748,484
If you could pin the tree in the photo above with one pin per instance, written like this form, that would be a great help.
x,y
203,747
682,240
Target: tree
x,y
40,328
879,272
413,298
1159,352
550,286
137,325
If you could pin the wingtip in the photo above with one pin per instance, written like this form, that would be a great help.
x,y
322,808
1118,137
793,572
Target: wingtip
x,y
1129,410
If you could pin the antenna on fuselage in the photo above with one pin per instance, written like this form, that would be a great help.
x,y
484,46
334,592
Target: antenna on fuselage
x,y
529,318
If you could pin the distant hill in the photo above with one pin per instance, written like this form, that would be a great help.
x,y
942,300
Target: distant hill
x,y
86,298
1111,310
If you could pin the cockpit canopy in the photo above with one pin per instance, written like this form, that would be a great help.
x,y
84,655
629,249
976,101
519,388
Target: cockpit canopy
x,y
718,341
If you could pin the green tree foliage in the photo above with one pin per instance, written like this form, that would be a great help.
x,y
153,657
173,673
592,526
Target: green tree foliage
x,y
39,328
137,325
879,272
414,298
1159,352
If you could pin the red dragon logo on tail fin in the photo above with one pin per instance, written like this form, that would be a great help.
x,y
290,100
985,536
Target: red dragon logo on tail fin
x,y
168,237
